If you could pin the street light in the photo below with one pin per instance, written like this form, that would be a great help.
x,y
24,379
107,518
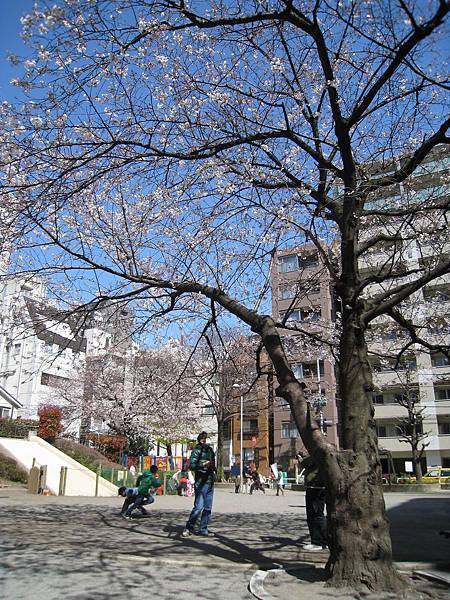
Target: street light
x,y
241,460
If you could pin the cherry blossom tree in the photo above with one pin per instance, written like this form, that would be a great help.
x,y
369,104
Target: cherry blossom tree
x,y
167,148
144,396
227,361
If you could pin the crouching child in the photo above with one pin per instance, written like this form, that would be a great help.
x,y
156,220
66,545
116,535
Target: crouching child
x,y
136,498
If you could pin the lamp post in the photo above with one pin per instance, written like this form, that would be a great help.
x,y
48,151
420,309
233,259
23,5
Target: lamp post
x,y
241,459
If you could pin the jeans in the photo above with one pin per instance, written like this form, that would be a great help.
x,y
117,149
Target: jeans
x,y
204,493
317,522
139,501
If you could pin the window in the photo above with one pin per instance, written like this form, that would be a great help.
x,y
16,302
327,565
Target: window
x,y
286,292
381,431
249,454
387,430
17,349
289,430
407,364
442,393
250,425
5,412
378,398
440,360
287,264
294,315
304,314
309,260
444,428
436,295
52,380
308,369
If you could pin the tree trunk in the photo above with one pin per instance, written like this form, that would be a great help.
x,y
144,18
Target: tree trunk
x,y
219,453
360,544
417,465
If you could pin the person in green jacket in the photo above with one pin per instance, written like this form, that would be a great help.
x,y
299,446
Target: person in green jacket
x,y
203,464
146,483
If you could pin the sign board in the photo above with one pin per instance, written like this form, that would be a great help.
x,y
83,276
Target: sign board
x,y
408,466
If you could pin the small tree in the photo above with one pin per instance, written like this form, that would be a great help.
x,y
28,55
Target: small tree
x,y
410,426
50,426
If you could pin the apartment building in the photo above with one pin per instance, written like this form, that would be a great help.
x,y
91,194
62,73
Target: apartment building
x,y
302,296
417,244
40,346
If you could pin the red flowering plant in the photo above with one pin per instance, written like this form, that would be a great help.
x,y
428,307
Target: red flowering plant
x,y
49,422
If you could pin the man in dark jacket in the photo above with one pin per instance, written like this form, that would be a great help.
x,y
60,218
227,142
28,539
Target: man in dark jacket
x,y
315,504
203,464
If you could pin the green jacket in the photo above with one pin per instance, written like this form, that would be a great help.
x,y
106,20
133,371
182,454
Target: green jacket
x,y
199,455
146,481
312,475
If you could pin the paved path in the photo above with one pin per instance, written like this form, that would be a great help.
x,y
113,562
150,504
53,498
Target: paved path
x,y
80,548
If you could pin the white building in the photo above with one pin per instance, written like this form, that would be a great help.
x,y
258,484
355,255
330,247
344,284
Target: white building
x,y
40,345
417,244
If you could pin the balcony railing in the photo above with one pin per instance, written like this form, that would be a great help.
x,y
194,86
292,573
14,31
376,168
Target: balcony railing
x,y
247,434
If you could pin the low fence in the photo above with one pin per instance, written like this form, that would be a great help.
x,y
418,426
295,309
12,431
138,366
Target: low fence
x,y
123,477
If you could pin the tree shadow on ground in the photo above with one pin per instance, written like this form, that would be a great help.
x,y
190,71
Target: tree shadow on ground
x,y
59,546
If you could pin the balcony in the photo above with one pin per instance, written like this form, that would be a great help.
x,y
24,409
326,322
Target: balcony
x,y
248,434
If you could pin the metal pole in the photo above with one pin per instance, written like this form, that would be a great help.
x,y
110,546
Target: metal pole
x,y
65,480
61,479
242,444
97,479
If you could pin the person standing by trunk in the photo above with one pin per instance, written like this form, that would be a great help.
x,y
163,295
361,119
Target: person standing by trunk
x,y
315,505
203,464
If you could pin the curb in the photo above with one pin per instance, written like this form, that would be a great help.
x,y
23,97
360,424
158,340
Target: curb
x,y
256,585
161,562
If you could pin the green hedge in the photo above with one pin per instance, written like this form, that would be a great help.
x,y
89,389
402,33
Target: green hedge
x,y
17,428
11,471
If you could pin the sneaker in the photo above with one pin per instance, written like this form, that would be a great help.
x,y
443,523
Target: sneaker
x,y
312,548
143,511
186,533
203,533
127,517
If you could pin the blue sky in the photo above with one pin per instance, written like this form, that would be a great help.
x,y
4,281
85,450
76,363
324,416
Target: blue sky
x,y
10,28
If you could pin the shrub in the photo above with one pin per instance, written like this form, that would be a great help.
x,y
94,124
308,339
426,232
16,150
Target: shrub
x,y
49,422
17,428
89,457
11,471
